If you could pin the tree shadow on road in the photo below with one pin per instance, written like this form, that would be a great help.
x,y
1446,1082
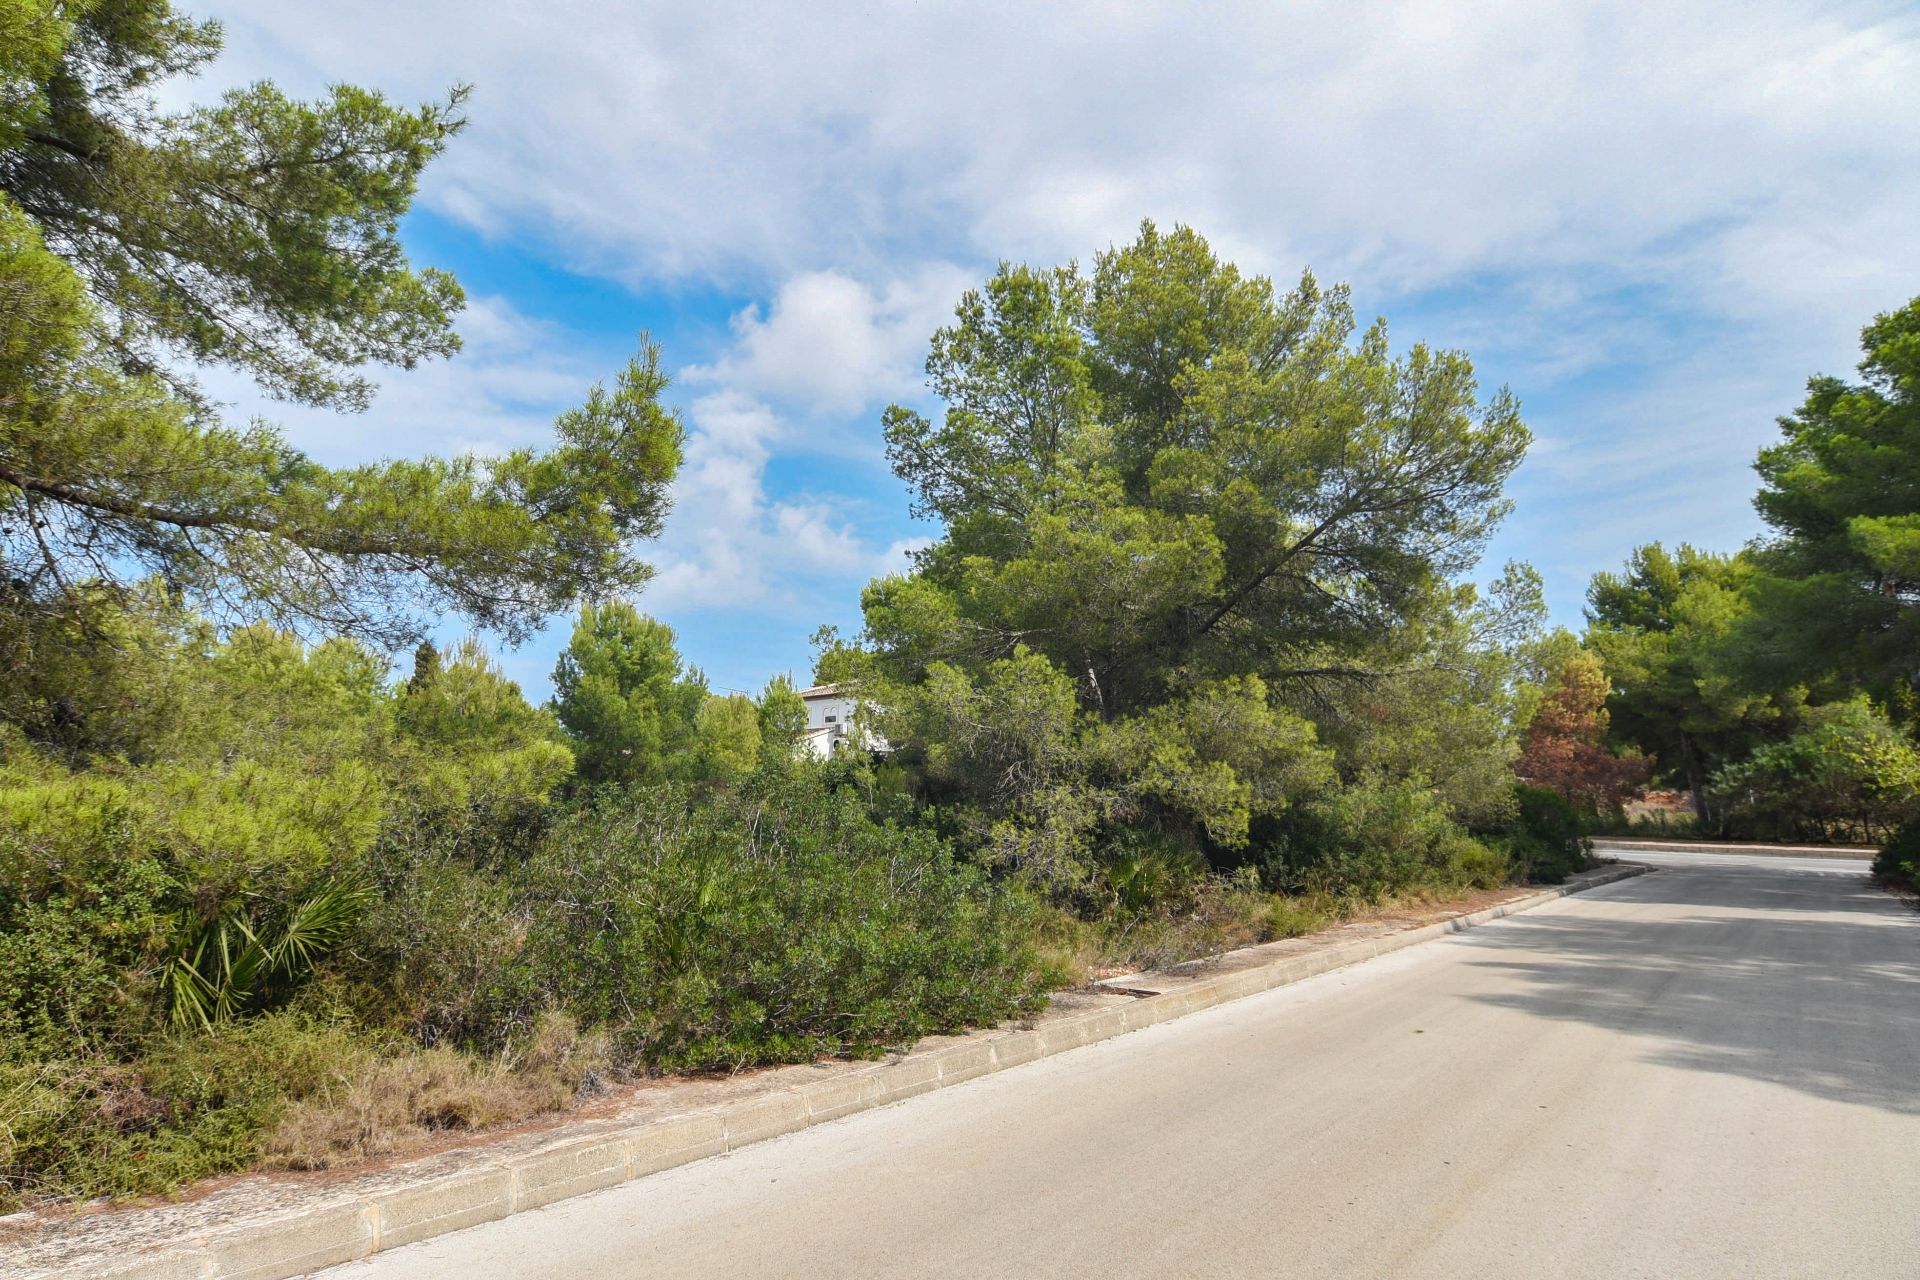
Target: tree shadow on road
x,y
1813,987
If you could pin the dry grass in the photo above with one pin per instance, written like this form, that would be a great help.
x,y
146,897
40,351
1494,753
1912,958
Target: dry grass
x,y
1219,917
389,1105
1213,916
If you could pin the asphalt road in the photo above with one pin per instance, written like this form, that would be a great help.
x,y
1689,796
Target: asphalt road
x,y
1713,1070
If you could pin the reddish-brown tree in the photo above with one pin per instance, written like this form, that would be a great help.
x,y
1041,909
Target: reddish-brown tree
x,y
1566,743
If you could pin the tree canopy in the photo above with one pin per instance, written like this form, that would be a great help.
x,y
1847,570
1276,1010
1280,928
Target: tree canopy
x,y
1189,520
1780,684
1566,747
1167,464
260,233
1841,491
1667,629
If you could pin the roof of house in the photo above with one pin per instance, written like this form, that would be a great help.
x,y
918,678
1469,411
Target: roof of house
x,y
821,691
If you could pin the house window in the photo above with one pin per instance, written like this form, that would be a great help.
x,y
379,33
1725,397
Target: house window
x,y
833,719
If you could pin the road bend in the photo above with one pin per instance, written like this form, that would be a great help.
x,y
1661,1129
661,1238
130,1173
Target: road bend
x,y
1709,1071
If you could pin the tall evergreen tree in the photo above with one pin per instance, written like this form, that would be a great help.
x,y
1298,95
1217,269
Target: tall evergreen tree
x,y
1185,516
629,705
259,233
1838,599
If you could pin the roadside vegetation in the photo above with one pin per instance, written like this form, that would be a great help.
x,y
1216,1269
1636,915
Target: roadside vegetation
x,y
1776,686
1198,661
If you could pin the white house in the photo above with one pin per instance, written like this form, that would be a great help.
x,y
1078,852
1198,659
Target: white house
x,y
830,712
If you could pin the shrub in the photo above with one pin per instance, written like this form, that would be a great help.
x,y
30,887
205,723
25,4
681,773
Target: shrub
x,y
1847,774
77,964
184,1107
1145,869
1547,840
441,952
769,925
1372,839
1898,862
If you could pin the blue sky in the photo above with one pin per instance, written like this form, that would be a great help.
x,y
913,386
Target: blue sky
x,y
1652,222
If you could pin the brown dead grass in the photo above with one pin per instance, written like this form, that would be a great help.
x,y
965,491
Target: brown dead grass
x,y
1223,919
392,1105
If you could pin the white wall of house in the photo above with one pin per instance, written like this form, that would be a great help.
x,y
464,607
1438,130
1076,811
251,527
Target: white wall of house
x,y
830,728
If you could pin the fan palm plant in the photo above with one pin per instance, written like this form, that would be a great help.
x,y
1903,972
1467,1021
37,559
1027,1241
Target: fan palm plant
x,y
231,965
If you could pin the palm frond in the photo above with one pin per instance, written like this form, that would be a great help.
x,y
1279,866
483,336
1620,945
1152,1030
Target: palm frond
x,y
226,967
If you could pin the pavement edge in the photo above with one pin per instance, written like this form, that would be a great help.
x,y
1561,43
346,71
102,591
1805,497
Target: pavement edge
x,y
324,1236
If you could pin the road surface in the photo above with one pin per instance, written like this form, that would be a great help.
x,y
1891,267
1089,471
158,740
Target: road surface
x,y
1713,1070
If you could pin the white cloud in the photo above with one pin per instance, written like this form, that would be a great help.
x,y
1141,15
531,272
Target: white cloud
x,y
829,343
1407,142
1702,199
729,544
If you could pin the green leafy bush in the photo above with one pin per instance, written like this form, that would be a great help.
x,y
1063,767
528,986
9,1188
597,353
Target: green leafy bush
x,y
1548,839
76,962
1374,838
1898,861
769,925
1847,774
1145,869
235,964
440,950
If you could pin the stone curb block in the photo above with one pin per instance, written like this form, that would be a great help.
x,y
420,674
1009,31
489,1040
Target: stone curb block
x,y
1635,844
435,1208
306,1243
555,1174
680,1140
324,1236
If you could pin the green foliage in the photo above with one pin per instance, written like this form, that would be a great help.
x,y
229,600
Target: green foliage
x,y
233,965
783,716
726,737
440,946
476,762
1376,838
276,251
279,768
76,947
628,704
1451,718
98,674
102,472
1197,533
1548,841
771,925
1146,869
1898,861
1839,580
1748,677
1668,630
261,232
1846,774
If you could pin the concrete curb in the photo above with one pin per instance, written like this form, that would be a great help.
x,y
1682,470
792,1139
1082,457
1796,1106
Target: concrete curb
x,y
1626,844
307,1240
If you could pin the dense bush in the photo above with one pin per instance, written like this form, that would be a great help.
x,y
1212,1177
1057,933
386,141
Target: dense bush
x,y
1547,839
1374,838
77,963
1848,774
1898,862
770,924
